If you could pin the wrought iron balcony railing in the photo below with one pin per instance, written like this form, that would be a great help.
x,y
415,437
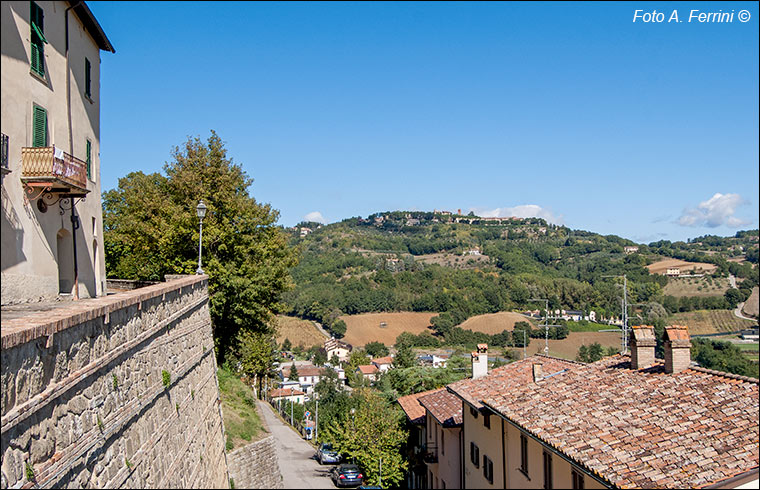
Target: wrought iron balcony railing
x,y
5,168
430,453
63,174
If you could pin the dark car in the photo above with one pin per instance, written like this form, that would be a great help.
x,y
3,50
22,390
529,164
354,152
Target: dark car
x,y
327,454
347,475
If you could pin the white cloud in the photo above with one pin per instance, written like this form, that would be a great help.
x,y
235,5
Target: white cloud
x,y
315,216
717,211
522,211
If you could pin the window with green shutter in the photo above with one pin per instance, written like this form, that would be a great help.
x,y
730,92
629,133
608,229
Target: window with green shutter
x,y
89,160
87,79
37,28
39,127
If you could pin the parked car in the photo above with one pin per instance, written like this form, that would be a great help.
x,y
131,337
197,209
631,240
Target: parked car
x,y
347,475
326,454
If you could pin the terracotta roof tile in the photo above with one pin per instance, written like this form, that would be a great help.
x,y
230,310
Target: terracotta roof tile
x,y
445,407
383,360
411,406
284,392
304,371
641,428
368,369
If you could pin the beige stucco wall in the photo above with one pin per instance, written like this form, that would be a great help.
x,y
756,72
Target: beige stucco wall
x,y
489,443
447,441
29,244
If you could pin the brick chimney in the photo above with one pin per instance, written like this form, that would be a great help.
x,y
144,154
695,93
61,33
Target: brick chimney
x,y
677,349
642,346
480,362
538,372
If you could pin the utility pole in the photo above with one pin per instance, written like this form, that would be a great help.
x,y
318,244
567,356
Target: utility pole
x,y
546,325
624,339
316,421
381,473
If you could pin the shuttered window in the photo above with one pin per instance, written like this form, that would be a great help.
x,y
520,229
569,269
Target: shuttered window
x,y
87,78
524,454
37,28
89,159
39,127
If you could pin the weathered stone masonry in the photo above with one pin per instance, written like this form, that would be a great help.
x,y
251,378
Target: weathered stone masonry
x,y
84,402
255,465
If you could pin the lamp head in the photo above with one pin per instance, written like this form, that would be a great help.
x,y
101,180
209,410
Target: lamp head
x,y
201,209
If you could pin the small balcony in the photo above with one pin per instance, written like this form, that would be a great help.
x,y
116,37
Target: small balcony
x,y
430,453
4,167
58,173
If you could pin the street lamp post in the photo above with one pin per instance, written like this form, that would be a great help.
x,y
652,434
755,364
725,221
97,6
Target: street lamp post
x,y
201,211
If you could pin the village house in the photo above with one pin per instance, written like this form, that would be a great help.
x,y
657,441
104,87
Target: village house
x,y
434,360
335,347
51,152
383,364
673,271
287,395
368,372
630,249
416,475
443,418
308,376
622,422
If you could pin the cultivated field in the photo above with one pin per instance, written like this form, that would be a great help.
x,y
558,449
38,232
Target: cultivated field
x,y
493,323
710,321
663,265
696,286
365,328
568,348
299,332
751,305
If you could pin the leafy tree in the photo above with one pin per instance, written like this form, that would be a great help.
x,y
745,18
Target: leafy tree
x,y
338,328
374,432
256,352
404,357
722,356
286,345
151,229
293,374
376,349
319,358
335,360
357,358
592,353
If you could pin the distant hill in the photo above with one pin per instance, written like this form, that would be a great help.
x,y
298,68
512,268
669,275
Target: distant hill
x,y
463,266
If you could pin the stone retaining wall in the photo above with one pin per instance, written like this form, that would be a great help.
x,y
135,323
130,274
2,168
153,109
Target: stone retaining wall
x,y
85,402
255,465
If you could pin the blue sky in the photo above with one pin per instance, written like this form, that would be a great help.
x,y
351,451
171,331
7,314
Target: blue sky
x,y
572,112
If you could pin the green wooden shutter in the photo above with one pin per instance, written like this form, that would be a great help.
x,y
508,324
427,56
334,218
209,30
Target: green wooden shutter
x,y
37,28
39,127
89,160
87,79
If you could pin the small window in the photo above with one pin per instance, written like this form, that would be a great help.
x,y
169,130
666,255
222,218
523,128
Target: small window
x,y
87,78
88,159
578,483
488,468
524,454
487,420
39,127
37,36
474,454
443,446
473,412
547,470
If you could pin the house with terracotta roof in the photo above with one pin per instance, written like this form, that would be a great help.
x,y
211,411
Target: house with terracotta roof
x,y
443,418
335,347
308,376
383,364
368,372
416,475
287,394
627,421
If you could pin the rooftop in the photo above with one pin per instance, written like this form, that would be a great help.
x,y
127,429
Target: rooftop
x,y
303,371
506,378
411,406
279,392
383,360
369,369
445,407
639,428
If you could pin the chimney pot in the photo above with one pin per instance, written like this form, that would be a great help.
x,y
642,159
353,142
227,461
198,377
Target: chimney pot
x,y
677,349
480,361
642,347
538,372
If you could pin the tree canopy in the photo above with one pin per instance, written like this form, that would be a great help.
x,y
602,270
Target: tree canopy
x,y
151,229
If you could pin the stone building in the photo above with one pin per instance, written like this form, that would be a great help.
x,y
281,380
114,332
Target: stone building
x,y
52,226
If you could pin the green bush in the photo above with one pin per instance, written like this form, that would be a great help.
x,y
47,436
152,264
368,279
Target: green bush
x,y
166,378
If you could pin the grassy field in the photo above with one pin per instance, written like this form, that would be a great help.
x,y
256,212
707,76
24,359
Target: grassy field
x,y
241,418
568,348
697,286
493,323
365,328
299,332
663,265
710,321
751,305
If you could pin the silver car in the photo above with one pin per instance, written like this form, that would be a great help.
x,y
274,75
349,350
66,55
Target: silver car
x,y
326,454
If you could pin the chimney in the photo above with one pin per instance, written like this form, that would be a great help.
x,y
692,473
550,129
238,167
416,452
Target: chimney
x,y
677,349
642,347
538,372
480,362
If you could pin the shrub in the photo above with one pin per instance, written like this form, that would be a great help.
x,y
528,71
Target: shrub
x,y
166,378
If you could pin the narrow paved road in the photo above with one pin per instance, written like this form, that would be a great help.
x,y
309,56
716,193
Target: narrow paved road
x,y
298,467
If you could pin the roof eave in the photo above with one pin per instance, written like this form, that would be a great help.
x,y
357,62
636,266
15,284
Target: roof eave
x,y
92,25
